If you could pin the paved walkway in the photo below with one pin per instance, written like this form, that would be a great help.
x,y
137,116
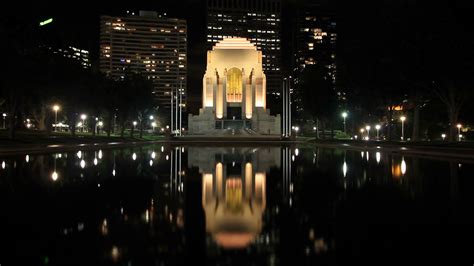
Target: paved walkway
x,y
427,149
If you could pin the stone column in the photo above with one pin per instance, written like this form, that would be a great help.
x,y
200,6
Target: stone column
x,y
224,94
244,88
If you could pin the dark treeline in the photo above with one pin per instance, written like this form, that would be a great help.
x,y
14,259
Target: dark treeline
x,y
395,54
35,79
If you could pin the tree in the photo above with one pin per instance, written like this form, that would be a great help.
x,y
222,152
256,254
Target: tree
x,y
453,97
320,99
142,101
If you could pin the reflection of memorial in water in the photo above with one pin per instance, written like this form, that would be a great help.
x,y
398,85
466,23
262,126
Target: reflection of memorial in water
x,y
233,192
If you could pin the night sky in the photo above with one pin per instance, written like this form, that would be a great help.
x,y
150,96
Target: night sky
x,y
366,32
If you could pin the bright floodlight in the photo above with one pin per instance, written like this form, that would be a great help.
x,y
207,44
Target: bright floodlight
x,y
344,114
56,107
403,118
83,116
377,127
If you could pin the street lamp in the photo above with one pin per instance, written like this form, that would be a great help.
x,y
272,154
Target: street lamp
x,y
377,127
4,118
403,118
134,124
56,109
153,124
83,117
151,117
368,131
443,136
344,115
459,126
99,124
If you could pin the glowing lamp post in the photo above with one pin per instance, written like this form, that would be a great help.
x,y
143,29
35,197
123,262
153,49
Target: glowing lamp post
x,y
134,124
377,127
459,126
83,118
368,132
403,118
344,115
4,118
153,125
443,136
99,124
56,109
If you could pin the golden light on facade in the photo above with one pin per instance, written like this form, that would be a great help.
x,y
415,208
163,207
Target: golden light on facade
x,y
234,85
234,88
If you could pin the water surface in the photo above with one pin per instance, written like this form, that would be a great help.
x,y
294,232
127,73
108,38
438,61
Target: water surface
x,y
270,205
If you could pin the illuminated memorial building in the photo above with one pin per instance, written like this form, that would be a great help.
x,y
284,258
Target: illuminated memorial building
x,y
233,192
234,92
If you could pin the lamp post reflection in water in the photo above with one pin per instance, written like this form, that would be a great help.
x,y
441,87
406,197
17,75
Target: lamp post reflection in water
x,y
287,159
54,175
403,118
403,166
175,170
344,168
399,169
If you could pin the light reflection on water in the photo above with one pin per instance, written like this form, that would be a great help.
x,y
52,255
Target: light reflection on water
x,y
271,205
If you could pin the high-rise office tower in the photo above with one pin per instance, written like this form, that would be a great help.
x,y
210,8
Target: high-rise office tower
x,y
314,43
316,38
257,20
147,43
75,54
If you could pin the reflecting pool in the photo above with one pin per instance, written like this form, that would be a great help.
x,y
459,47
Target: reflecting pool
x,y
242,205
